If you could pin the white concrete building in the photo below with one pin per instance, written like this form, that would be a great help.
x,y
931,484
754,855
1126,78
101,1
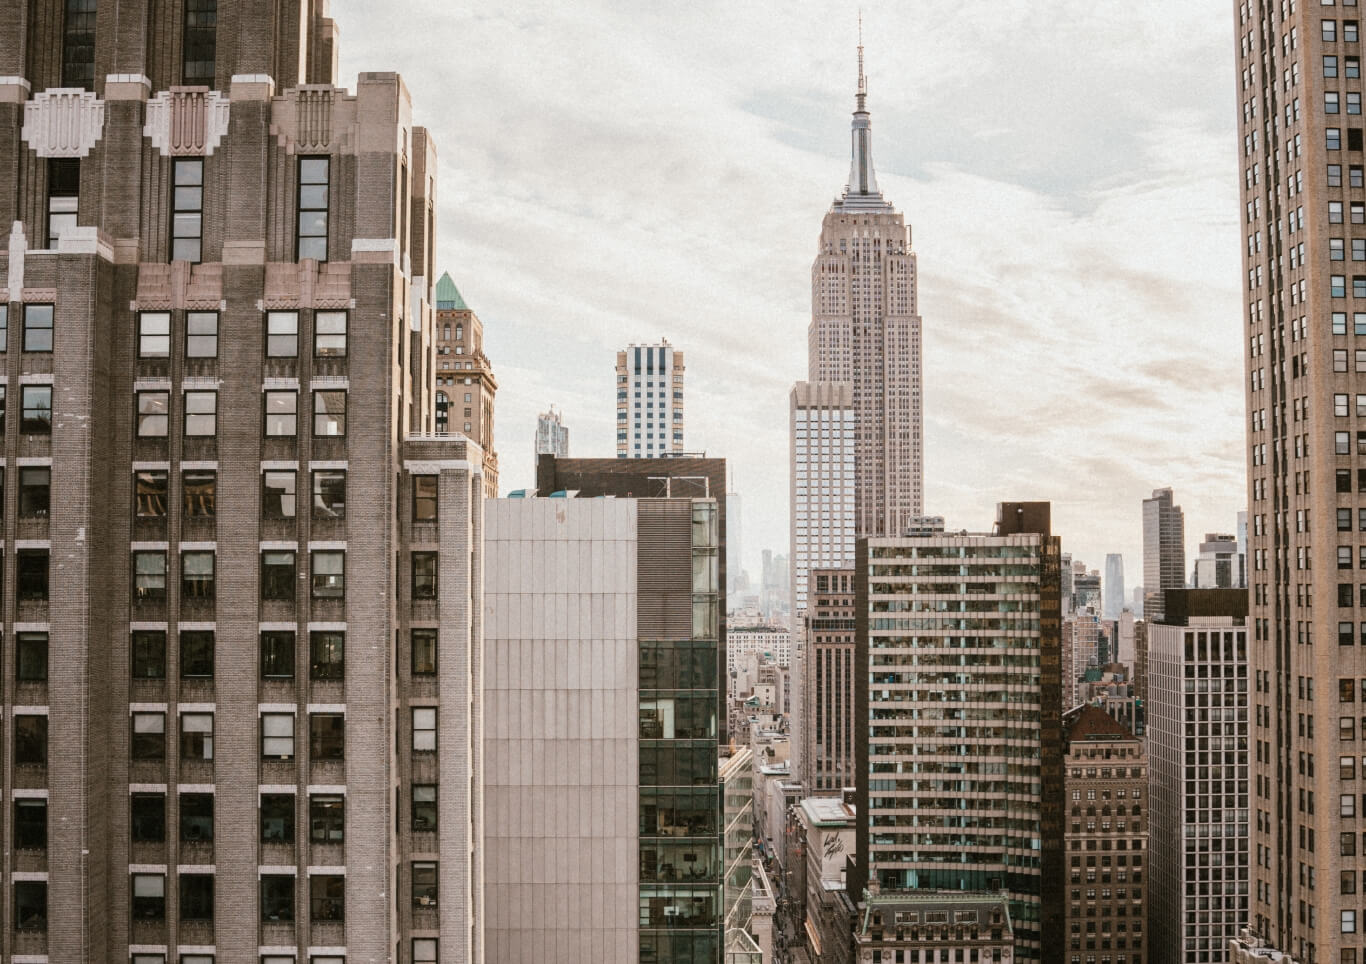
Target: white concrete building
x,y
763,640
649,401
822,483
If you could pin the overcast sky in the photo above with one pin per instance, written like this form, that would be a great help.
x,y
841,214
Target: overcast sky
x,y
620,171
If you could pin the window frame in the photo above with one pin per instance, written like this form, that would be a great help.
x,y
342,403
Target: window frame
x,y
35,342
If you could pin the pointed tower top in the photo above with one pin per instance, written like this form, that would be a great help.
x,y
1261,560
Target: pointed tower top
x,y
862,96
448,295
861,192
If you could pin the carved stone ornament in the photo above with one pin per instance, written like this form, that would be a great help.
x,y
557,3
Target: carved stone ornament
x,y
186,123
63,122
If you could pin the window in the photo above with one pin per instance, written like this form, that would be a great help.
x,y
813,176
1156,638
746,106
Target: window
x,y
327,736
1349,31
34,487
282,414
277,494
424,806
1337,249
196,575
30,657
187,210
327,655
153,413
196,653
149,576
329,414
78,44
200,490
277,736
201,414
424,575
424,652
277,655
148,817
329,574
149,654
38,328
196,897
329,494
30,824
282,334
1330,102
30,905
198,43
424,729
32,574
152,494
36,414
424,950
329,334
1330,31
313,177
277,813
149,896
4,327
63,194
30,740
1333,142
201,334
277,575
1349,921
154,334
424,498
196,817
149,736
424,883
327,818
277,898
327,897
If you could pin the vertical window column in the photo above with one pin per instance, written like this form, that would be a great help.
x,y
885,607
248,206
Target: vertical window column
x,y
187,206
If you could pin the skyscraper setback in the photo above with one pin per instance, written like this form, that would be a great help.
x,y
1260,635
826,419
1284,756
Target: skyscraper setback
x,y
865,331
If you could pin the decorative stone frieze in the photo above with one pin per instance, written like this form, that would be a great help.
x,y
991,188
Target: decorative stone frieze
x,y
187,122
63,122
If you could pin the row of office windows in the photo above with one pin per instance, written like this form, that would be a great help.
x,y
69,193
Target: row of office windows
x,y
424,950
198,38
280,413
201,334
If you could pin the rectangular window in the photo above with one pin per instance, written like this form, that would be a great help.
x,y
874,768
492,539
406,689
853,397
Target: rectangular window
x,y
153,492
1333,141
282,334
327,655
277,809
277,897
187,210
201,414
424,806
277,736
424,498
196,653
327,736
154,334
282,414
30,740
196,575
424,575
313,183
35,487
329,494
63,196
30,657
329,574
148,812
32,574
424,883
38,328
329,413
329,334
4,327
199,43
277,494
277,575
277,655
149,575
196,897
196,817
78,44
424,729
35,417
154,418
327,818
149,654
200,490
327,897
201,334
30,824
149,896
149,736
424,652
425,950
30,905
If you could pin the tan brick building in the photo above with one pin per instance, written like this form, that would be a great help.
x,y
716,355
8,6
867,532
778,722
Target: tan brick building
x,y
465,385
240,601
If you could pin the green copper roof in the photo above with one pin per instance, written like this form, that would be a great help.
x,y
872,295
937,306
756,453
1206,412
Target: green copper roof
x,y
448,295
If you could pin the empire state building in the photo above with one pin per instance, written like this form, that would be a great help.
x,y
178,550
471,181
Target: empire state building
x,y
865,331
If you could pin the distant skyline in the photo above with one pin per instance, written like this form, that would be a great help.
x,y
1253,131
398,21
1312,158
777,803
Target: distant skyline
x,y
611,173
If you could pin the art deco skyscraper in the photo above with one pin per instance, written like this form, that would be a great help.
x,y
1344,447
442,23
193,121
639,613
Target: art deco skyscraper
x,y
1300,167
465,385
865,331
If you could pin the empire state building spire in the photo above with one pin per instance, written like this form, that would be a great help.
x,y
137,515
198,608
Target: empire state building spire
x,y
861,193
